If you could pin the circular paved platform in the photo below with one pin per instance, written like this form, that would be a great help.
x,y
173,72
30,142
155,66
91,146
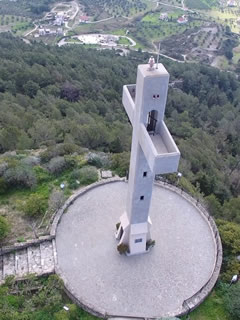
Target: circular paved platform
x,y
150,285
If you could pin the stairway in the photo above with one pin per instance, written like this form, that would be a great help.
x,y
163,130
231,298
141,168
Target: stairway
x,y
36,258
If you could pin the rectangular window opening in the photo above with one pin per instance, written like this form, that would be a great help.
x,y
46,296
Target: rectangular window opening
x,y
142,198
145,173
138,240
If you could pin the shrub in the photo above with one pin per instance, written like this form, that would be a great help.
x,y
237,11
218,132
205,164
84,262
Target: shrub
x,y
120,163
20,176
42,174
56,200
59,150
3,167
4,228
150,243
57,165
31,161
99,160
85,175
3,186
36,205
231,299
122,248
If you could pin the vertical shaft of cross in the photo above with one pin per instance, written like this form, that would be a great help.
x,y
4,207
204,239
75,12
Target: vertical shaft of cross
x,y
153,151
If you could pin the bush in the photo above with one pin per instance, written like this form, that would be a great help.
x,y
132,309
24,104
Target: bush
x,y
57,165
4,228
123,248
99,160
56,200
59,150
120,163
231,299
85,175
31,161
36,205
3,167
20,176
3,186
42,174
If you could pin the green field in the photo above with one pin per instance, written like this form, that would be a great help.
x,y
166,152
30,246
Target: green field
x,y
16,24
124,41
151,28
211,309
201,4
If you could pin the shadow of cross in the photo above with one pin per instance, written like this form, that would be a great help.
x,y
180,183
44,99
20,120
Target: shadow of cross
x,y
153,152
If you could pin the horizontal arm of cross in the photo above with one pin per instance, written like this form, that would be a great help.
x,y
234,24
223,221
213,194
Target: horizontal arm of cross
x,y
128,100
159,149
161,158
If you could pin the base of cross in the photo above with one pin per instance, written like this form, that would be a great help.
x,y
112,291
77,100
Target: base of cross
x,y
133,238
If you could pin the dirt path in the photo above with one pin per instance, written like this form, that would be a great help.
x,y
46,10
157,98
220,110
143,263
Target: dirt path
x,y
177,7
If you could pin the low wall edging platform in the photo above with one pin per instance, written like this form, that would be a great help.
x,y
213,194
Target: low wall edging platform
x,y
189,304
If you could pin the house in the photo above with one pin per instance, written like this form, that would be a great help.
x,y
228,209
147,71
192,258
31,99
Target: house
x,y
59,20
84,19
163,16
42,32
183,19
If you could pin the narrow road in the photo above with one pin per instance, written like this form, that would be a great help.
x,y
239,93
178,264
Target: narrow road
x,y
92,22
177,7
31,31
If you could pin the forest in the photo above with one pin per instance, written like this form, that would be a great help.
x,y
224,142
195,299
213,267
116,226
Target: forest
x,y
59,103
117,7
25,8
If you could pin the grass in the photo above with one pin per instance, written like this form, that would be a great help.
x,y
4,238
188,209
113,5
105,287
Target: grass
x,y
211,309
151,29
124,41
225,16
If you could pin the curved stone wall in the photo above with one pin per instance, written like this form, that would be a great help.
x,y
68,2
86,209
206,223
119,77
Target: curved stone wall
x,y
190,303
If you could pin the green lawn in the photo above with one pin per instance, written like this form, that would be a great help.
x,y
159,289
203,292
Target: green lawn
x,y
124,41
211,309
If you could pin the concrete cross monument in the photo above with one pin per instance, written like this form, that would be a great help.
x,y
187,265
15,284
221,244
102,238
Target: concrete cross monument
x,y
153,152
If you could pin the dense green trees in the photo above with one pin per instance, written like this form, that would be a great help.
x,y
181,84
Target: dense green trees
x,y
69,99
25,8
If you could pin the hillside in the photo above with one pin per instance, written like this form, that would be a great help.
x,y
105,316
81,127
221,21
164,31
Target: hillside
x,y
57,104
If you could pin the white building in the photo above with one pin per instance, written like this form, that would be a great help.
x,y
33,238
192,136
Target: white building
x,y
59,21
42,32
163,16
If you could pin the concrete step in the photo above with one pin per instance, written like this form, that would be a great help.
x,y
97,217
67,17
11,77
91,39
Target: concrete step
x,y
21,263
34,259
9,264
47,257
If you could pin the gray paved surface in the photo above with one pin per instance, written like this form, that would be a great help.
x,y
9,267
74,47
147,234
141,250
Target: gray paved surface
x,y
150,285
